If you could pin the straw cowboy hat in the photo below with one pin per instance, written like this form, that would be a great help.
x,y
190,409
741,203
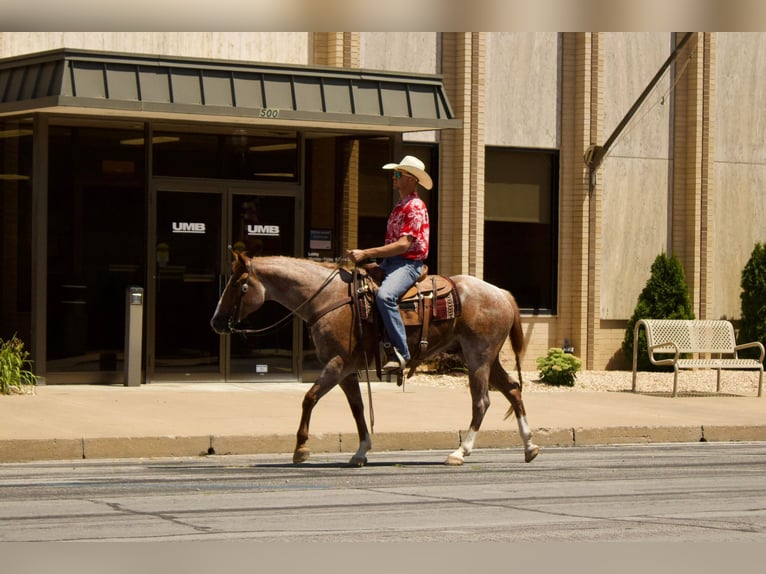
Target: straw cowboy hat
x,y
413,166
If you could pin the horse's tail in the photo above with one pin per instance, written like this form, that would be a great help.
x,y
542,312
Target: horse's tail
x,y
517,336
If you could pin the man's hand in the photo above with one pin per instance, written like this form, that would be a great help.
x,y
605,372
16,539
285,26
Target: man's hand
x,y
356,255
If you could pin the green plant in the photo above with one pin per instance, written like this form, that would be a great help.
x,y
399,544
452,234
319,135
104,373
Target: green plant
x,y
15,377
558,368
665,296
752,326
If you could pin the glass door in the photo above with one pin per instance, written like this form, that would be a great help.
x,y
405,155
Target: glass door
x,y
188,231
194,233
264,225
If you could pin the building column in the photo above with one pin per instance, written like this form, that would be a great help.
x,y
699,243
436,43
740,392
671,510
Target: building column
x,y
341,49
582,70
338,49
461,180
692,188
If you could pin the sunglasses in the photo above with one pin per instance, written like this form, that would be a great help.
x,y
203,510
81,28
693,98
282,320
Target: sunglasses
x,y
399,174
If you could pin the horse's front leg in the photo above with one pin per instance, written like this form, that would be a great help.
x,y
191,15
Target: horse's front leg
x,y
326,381
478,382
350,386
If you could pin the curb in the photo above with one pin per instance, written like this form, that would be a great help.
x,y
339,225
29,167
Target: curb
x,y
30,450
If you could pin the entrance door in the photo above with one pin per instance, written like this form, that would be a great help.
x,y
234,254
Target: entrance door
x,y
194,232
189,228
264,225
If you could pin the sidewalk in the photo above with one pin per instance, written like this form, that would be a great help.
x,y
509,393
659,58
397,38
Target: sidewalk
x,y
61,422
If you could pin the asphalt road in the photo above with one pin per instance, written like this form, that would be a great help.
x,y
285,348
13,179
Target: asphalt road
x,y
695,492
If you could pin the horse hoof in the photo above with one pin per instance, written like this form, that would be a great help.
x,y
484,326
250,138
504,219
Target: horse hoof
x,y
453,461
530,454
358,461
301,455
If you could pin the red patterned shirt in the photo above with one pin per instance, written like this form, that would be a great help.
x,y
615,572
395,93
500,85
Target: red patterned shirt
x,y
410,217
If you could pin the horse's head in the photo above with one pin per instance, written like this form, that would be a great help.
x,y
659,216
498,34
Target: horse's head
x,y
243,295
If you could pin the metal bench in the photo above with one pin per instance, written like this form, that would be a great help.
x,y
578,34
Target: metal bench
x,y
696,338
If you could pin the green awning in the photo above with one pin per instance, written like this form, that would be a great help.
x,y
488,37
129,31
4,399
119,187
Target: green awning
x,y
158,86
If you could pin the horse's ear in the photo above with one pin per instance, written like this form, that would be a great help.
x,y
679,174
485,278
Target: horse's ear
x,y
241,256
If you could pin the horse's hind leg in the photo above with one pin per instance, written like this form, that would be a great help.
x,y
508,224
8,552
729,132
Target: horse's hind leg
x,y
479,386
350,386
512,391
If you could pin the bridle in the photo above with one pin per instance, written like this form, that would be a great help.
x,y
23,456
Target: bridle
x,y
278,324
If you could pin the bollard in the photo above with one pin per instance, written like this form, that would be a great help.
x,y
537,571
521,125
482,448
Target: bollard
x,y
134,314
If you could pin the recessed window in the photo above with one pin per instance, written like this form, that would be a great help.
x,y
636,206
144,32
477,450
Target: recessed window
x,y
521,225
237,156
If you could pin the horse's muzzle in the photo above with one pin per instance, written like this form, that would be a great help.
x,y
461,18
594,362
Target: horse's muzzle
x,y
221,325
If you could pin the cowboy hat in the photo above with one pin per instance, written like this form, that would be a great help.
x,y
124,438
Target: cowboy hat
x,y
413,166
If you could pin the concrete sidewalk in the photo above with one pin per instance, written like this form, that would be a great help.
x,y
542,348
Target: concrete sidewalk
x,y
62,422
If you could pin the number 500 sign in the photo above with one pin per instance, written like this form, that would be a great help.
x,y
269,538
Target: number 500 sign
x,y
270,113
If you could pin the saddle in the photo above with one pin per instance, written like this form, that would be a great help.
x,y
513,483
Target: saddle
x,y
431,298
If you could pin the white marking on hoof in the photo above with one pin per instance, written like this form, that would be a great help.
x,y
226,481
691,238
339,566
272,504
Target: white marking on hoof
x,y
360,456
455,459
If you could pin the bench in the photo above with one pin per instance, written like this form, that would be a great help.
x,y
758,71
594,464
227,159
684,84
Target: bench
x,y
695,338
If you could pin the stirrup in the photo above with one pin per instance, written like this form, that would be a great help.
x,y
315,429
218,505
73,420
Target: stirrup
x,y
395,363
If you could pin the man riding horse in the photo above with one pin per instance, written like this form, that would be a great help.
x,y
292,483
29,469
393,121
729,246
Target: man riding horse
x,y
405,249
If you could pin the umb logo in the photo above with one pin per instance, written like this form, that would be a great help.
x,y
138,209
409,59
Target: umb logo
x,y
188,227
270,230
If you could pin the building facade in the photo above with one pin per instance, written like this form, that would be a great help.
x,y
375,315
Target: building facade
x,y
140,159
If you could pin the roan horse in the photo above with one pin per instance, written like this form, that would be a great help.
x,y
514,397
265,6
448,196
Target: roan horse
x,y
489,315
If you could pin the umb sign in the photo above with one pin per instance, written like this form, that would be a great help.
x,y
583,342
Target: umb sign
x,y
269,230
189,227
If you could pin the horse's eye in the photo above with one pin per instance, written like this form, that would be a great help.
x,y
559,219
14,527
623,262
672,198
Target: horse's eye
x,y
244,288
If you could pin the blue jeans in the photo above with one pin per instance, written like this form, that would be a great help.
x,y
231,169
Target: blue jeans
x,y
401,274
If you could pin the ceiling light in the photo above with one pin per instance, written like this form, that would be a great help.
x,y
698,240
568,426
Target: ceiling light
x,y
273,147
15,133
155,140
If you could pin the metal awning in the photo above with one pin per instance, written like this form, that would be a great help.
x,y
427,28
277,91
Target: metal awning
x,y
76,81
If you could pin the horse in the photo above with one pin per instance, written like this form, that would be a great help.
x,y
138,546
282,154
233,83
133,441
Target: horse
x,y
318,294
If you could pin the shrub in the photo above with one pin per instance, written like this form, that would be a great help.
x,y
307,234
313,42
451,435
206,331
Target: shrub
x,y
665,296
752,326
15,378
558,368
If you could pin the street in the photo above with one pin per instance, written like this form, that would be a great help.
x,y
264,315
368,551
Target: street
x,y
695,492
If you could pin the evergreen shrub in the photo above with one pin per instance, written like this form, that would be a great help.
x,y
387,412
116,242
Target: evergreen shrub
x,y
665,296
752,325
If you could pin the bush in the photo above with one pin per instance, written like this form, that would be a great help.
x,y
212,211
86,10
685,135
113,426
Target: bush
x,y
558,368
665,296
15,378
752,326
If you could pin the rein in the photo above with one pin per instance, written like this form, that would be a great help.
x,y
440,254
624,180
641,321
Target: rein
x,y
290,315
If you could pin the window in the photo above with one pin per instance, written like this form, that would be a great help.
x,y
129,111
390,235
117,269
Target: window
x,y
377,198
246,157
96,245
521,225
15,229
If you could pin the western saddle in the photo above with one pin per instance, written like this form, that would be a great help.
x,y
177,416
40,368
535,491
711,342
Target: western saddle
x,y
431,298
